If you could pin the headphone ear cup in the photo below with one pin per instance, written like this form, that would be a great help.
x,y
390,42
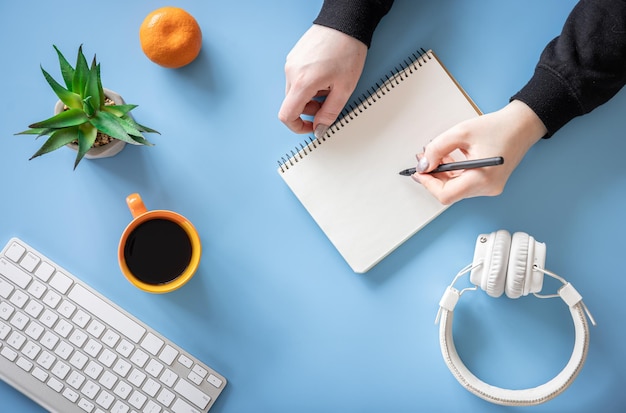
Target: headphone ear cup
x,y
520,260
491,258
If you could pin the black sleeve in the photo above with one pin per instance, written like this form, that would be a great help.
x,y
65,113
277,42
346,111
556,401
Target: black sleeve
x,y
357,18
583,67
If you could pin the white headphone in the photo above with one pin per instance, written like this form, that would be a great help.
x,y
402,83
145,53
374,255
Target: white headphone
x,y
514,266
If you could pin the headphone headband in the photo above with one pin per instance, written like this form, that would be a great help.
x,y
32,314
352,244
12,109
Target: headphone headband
x,y
507,397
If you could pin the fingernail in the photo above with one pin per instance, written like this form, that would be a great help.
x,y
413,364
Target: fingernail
x,y
422,164
320,131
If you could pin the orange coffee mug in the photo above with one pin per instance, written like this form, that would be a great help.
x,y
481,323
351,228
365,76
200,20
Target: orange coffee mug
x,y
159,250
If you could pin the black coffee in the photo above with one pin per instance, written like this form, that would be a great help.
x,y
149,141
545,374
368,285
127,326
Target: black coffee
x,y
157,251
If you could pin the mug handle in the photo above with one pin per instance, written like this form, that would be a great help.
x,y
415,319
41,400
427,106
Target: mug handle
x,y
136,205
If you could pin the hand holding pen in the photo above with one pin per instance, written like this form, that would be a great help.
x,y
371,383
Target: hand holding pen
x,y
465,183
455,166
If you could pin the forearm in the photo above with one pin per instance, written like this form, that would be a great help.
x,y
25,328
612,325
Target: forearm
x,y
357,18
583,67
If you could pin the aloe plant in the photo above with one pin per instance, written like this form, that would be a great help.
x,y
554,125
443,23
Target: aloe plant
x,y
86,113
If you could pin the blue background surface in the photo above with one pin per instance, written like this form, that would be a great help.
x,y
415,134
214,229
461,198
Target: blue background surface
x,y
274,307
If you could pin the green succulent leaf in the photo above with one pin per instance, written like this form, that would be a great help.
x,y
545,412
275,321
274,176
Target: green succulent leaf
x,y
81,72
71,100
88,107
139,126
118,110
86,137
66,69
99,83
71,117
92,89
141,140
36,131
57,139
110,125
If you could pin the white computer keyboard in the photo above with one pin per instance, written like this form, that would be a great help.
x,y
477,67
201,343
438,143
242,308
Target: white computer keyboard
x,y
71,349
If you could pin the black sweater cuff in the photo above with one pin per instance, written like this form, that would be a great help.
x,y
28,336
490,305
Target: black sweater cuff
x,y
353,17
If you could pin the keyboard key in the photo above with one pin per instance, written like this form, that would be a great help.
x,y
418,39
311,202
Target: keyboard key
x,y
110,338
48,318
4,330
37,289
79,360
120,407
151,387
86,405
49,340
60,369
95,328
192,393
31,350
15,252
70,394
90,389
14,274
137,399
139,358
55,385
214,380
168,355
46,360
151,407
16,340
93,370
122,367
137,377
168,378
63,328
33,308
152,343
78,338
34,330
63,350
166,397
108,379
61,282
180,406
24,364
5,288
8,353
124,348
185,361
39,374
81,318
52,299
105,399
19,320
66,309
6,310
154,368
30,261
123,389
44,271
75,379
107,357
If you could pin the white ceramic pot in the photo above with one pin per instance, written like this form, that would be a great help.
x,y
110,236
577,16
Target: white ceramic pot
x,y
104,151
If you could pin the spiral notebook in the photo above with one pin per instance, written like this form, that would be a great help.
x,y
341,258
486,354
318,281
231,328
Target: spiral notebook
x,y
348,180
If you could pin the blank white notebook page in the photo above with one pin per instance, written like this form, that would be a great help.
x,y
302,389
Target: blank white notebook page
x,y
349,181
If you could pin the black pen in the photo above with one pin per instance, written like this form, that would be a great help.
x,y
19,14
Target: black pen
x,y
453,166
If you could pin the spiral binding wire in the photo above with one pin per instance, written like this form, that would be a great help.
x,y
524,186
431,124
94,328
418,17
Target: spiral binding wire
x,y
359,105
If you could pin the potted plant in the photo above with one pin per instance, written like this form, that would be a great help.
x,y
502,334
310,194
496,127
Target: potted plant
x,y
94,121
